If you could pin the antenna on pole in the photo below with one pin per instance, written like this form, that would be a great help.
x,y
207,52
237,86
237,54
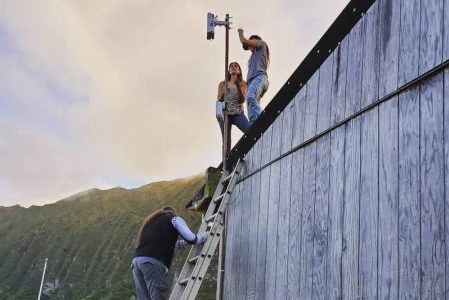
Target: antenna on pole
x,y
213,21
42,280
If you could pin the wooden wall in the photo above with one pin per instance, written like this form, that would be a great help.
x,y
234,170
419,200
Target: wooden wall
x,y
363,210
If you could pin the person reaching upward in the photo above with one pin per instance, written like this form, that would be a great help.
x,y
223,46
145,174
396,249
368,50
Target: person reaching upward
x,y
257,78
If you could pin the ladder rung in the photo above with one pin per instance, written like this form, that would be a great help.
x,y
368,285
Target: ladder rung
x,y
194,259
184,281
220,197
212,217
227,178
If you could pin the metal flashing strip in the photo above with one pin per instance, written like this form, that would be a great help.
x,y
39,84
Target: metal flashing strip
x,y
344,23
404,87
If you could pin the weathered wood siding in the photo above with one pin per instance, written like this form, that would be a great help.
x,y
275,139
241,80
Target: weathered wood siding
x,y
358,210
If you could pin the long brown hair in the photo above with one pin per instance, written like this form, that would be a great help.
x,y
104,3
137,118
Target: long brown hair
x,y
239,76
148,219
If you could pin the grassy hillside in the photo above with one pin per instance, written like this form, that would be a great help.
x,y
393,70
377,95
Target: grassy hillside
x,y
88,239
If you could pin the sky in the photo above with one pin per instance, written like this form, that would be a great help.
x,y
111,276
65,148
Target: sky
x,y
121,93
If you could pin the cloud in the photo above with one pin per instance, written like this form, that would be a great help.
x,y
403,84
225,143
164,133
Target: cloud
x,y
102,93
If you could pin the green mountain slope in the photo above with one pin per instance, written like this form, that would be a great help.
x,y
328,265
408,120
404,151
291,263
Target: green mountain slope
x,y
88,239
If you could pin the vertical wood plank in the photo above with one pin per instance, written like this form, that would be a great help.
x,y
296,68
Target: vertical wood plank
x,y
369,204
446,31
232,241
388,200
306,271
351,210
284,206
244,240
287,129
262,229
248,163
253,235
243,248
252,158
295,221
262,238
266,146
325,95
446,170
253,217
257,157
299,117
409,206
370,76
236,213
311,106
336,196
432,189
431,42
339,82
283,229
321,219
273,210
354,76
276,138
246,167
409,40
389,46
230,244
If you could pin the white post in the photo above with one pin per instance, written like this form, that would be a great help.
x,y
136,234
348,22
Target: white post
x,y
42,280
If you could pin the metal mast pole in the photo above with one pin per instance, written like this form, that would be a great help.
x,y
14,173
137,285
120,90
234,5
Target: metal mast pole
x,y
42,280
211,23
226,139
226,146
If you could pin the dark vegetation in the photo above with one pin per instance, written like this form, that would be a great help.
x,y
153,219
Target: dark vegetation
x,y
88,239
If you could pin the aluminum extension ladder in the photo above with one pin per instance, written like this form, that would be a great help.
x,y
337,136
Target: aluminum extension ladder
x,y
200,256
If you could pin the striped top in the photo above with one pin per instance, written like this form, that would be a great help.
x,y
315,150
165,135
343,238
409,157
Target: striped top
x,y
232,101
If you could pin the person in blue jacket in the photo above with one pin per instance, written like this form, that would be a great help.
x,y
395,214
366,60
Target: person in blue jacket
x,y
155,244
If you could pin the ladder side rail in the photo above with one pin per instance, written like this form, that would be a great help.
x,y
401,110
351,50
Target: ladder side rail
x,y
215,232
192,277
204,260
202,270
191,270
203,263
195,249
187,268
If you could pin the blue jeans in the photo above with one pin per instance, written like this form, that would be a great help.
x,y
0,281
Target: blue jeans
x,y
151,278
238,120
256,89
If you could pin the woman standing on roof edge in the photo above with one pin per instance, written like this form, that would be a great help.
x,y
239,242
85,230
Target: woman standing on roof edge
x,y
257,77
155,244
234,101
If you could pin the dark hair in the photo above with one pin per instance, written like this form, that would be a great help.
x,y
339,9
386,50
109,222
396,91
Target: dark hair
x,y
148,219
240,69
256,37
